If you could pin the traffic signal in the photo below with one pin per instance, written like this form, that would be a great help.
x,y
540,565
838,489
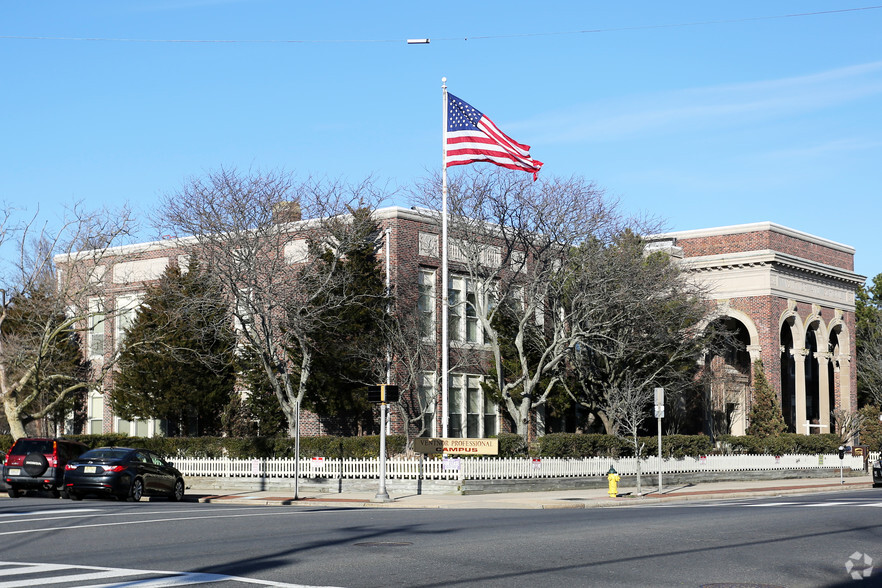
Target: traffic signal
x,y
383,393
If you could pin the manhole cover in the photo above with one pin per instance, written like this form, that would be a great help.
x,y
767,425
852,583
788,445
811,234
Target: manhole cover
x,y
384,544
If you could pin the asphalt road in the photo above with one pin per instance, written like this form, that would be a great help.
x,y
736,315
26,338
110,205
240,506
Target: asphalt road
x,y
786,541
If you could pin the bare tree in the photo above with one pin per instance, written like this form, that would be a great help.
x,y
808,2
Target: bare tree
x,y
627,405
514,245
58,271
643,322
869,362
413,347
275,245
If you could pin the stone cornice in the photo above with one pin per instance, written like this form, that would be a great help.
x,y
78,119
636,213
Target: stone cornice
x,y
776,259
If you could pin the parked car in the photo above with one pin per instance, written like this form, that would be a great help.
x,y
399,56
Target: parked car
x,y
37,463
877,473
122,472
4,487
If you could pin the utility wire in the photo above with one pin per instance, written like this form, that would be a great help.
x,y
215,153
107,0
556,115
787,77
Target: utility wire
x,y
474,38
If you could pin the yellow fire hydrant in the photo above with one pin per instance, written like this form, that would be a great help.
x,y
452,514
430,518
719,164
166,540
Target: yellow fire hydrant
x,y
613,477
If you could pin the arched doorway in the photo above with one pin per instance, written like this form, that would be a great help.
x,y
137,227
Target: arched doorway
x,y
727,377
788,375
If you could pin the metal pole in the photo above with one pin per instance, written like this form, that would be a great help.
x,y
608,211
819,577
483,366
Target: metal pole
x,y
659,457
382,495
297,450
445,392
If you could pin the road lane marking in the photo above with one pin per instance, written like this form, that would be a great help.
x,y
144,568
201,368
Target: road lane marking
x,y
98,573
255,513
46,512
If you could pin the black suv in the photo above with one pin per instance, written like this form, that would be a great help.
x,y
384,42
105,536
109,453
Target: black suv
x,y
35,463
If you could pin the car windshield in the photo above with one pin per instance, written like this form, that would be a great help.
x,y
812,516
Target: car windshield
x,y
106,453
25,446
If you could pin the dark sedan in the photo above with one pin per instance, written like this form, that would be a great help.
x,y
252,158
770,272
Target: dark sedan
x,y
122,472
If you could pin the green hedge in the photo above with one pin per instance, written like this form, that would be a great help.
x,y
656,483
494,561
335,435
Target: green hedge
x,y
577,446
788,443
252,447
565,445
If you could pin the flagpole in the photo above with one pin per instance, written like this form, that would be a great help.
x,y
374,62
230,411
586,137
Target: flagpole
x,y
445,380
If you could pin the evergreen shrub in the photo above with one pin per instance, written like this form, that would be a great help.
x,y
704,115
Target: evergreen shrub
x,y
787,443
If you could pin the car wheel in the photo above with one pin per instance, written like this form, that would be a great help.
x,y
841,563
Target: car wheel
x,y
35,464
74,495
65,493
178,494
136,491
14,492
54,493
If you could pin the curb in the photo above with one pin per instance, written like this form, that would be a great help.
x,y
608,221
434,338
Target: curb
x,y
527,504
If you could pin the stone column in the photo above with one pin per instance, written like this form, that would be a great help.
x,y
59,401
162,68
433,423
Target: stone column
x,y
823,358
799,356
845,383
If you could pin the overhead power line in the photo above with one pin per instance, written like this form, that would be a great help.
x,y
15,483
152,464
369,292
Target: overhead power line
x,y
467,38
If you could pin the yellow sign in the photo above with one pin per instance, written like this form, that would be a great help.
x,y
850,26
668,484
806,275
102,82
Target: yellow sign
x,y
454,446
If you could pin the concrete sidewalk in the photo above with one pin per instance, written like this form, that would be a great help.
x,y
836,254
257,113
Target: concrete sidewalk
x,y
587,498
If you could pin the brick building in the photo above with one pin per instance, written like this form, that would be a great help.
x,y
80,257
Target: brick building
x,y
790,295
791,298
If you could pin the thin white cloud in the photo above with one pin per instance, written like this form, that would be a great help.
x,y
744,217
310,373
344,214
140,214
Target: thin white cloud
x,y
168,5
711,107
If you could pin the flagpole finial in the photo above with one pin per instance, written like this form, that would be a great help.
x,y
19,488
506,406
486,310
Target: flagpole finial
x,y
444,82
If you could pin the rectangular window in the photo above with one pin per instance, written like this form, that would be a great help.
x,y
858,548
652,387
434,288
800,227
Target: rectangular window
x,y
471,324
455,421
427,397
491,419
126,307
96,414
455,301
426,303
472,413
475,404
96,328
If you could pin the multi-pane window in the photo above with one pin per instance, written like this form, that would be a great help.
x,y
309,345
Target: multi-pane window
x,y
426,303
133,428
427,397
96,414
463,323
127,307
96,328
472,412
455,301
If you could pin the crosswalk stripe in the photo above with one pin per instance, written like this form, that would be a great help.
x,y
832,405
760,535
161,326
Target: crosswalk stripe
x,y
44,580
156,579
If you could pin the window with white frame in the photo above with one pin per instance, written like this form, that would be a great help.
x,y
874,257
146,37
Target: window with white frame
x,y
95,410
463,323
427,398
134,427
126,307
426,303
242,318
96,327
472,412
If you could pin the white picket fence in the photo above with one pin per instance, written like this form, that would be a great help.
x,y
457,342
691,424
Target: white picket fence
x,y
499,468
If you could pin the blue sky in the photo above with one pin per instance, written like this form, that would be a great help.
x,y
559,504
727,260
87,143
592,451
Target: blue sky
x,y
702,113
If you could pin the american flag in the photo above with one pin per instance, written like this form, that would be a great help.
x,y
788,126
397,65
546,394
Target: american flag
x,y
471,137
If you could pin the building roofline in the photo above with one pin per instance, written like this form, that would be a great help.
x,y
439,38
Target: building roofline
x,y
753,228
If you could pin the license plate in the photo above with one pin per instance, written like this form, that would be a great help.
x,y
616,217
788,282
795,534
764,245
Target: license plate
x,y
90,469
14,472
